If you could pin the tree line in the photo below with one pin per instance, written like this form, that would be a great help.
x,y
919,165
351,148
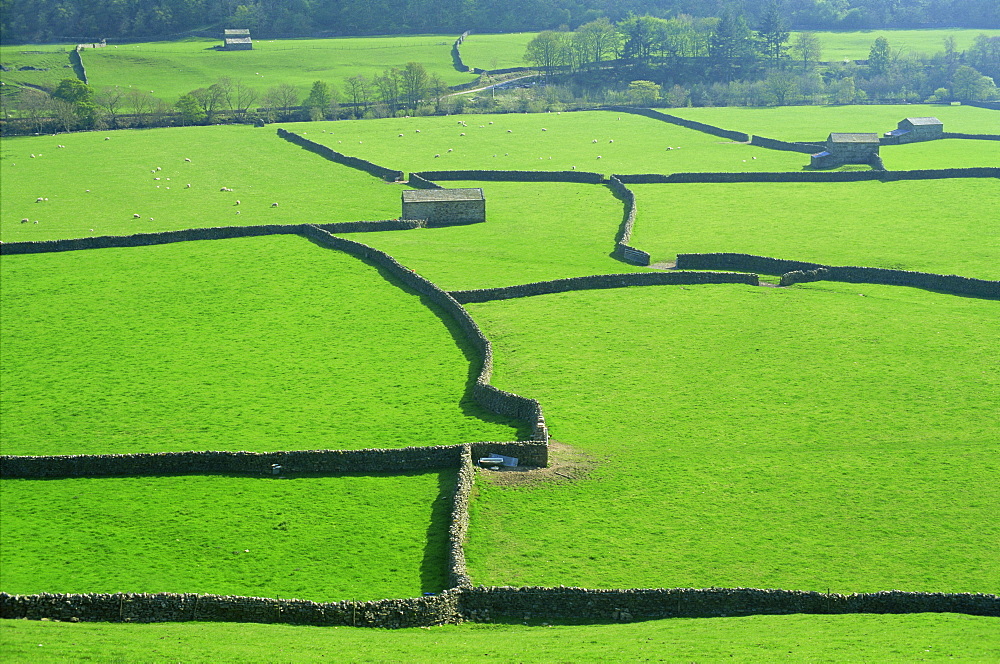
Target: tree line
x,y
24,21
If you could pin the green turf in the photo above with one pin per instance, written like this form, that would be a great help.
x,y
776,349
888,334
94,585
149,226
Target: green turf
x,y
947,153
317,538
258,344
52,59
533,232
830,437
942,226
260,168
815,123
855,45
545,142
848,638
170,69
499,51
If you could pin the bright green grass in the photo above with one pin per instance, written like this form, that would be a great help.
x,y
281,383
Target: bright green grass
x,y
317,538
943,226
260,167
815,123
835,436
496,51
947,153
53,58
170,69
533,232
836,46
844,638
269,343
639,144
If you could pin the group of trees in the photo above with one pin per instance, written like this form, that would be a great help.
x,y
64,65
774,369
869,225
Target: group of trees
x,y
90,20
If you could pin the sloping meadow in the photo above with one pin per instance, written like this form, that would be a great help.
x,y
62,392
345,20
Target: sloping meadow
x,y
825,437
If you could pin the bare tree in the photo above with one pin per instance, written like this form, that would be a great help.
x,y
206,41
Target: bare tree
x,y
388,85
34,104
280,100
141,103
359,90
65,114
111,99
243,98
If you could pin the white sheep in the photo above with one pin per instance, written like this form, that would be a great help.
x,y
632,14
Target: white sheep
x,y
236,203
39,200
598,156
24,221
544,129
462,134
32,156
611,141
491,122
594,141
510,131
572,168
156,179
436,156
107,138
36,221
186,159
417,131
187,186
135,216
400,135
158,168
274,205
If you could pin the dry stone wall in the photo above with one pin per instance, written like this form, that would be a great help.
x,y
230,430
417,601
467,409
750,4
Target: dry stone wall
x,y
974,137
623,251
788,146
681,122
504,604
514,176
603,281
456,55
812,176
418,182
331,154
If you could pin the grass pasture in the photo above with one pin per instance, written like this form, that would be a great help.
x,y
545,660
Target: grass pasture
x,y
170,69
837,46
317,538
835,436
500,51
253,344
846,638
50,65
260,167
892,225
545,142
946,153
815,123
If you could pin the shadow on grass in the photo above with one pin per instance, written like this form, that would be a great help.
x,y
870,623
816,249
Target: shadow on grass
x,y
434,566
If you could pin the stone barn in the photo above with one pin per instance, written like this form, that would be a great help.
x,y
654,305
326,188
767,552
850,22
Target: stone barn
x,y
445,207
847,149
237,40
911,130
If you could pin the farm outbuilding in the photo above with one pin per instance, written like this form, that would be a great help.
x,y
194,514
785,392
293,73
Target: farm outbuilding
x,y
847,149
911,130
237,40
445,207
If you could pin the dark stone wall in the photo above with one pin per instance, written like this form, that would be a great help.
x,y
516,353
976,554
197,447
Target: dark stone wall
x,y
975,137
583,605
418,182
514,176
331,154
456,55
688,124
623,251
603,281
774,144
813,176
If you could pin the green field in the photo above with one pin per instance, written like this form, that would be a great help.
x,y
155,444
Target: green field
x,y
943,226
849,638
170,69
855,45
254,344
815,123
318,538
95,186
947,153
50,63
625,143
831,437
500,51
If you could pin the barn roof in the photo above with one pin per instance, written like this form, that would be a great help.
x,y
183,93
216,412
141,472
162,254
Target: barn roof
x,y
436,195
238,40
241,32
853,138
924,121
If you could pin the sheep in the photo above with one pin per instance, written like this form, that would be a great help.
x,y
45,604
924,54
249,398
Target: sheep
x,y
24,221
274,205
39,200
236,203
509,131
450,150
237,212
572,168
107,138
755,157
187,186
416,131
544,129
32,156
611,141
462,134
491,122
151,219
594,141
459,122
436,156
186,159
158,168
87,191
36,221
598,156
135,216
400,135
157,179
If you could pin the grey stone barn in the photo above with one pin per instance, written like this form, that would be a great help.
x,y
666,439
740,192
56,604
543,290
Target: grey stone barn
x,y
445,207
847,149
911,130
237,40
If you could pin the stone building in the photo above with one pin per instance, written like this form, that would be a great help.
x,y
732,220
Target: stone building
x,y
445,207
237,40
911,130
847,149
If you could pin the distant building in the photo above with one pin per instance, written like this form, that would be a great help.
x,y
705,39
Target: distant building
x,y
445,207
911,130
847,149
237,40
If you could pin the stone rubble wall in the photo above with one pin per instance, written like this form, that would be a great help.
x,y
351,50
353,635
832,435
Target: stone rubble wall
x,y
738,136
787,146
418,182
603,281
974,137
458,527
812,176
513,176
329,153
456,55
623,251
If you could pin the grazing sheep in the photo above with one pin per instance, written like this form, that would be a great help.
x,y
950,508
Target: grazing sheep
x,y
573,168
39,200
462,134
187,186
450,150
594,141
236,203
158,168
151,219
36,221
156,179
88,191
135,216
274,205
544,129
598,156
107,138
400,135
611,141
237,212
510,131
186,159
755,157
416,130
32,156
436,156
491,123
24,221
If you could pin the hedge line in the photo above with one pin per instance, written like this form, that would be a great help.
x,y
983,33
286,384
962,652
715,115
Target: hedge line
x,y
688,124
813,176
603,281
331,154
775,144
798,272
194,234
514,176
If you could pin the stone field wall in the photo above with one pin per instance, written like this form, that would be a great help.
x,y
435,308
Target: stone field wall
x,y
331,154
623,251
514,176
813,176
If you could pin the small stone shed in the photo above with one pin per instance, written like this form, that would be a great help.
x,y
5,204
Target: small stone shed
x,y
237,40
847,149
445,207
911,130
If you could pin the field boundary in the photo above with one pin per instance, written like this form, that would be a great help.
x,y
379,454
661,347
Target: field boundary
x,y
738,136
327,152
603,281
623,251
793,272
811,176
579,177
